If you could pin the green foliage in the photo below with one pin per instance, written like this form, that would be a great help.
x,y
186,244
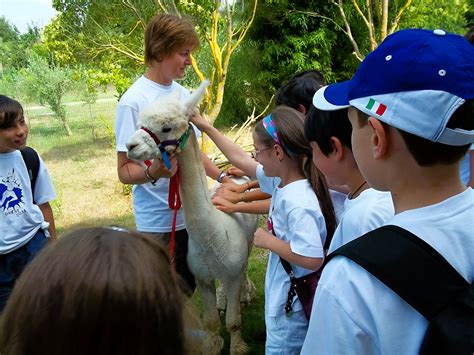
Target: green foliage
x,y
8,32
292,41
297,35
15,49
10,84
48,84
470,13
449,15
243,90
89,31
103,36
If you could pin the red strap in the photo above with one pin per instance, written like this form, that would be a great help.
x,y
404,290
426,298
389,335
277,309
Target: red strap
x,y
174,202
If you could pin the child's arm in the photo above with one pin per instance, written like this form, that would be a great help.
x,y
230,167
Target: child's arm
x,y
232,186
49,217
233,152
211,169
255,207
244,196
266,240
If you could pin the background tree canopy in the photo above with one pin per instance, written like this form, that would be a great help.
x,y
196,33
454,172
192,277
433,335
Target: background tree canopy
x,y
268,42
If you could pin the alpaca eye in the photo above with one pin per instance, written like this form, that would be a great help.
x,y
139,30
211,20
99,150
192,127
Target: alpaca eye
x,y
166,130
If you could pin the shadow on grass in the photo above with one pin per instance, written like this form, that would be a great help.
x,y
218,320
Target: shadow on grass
x,y
78,151
84,143
123,221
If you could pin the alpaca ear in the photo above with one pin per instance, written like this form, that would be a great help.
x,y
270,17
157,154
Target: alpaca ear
x,y
192,102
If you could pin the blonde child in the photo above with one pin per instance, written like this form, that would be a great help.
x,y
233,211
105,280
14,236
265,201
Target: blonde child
x,y
301,215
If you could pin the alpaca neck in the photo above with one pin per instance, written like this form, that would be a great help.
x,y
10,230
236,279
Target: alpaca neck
x,y
193,182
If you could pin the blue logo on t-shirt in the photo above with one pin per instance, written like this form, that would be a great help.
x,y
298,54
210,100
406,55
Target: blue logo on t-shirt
x,y
11,194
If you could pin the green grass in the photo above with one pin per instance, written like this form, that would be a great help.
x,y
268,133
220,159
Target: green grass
x,y
83,170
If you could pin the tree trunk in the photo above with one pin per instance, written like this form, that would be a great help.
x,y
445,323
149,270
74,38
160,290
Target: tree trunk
x,y
66,126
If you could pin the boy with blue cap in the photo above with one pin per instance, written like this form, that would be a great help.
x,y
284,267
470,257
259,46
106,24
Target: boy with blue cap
x,y
411,106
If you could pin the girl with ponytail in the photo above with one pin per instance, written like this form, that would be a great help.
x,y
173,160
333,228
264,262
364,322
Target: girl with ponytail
x,y
301,218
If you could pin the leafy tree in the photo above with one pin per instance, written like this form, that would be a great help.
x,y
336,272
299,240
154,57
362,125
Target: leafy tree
x,y
8,32
106,33
381,18
15,51
333,36
291,41
48,84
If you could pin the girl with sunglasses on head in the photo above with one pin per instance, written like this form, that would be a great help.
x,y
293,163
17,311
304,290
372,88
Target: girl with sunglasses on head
x,y
301,214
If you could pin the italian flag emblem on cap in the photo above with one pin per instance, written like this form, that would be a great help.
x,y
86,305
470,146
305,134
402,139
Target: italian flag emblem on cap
x,y
376,107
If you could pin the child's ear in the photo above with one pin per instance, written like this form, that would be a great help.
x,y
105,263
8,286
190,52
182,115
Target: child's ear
x,y
379,138
301,109
337,148
280,153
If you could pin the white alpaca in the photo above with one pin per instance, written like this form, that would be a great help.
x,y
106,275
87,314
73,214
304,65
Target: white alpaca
x,y
219,243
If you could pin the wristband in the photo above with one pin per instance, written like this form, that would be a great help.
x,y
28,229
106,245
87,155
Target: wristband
x,y
221,175
151,178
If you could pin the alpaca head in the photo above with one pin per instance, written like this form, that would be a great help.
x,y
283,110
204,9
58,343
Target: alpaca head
x,y
163,122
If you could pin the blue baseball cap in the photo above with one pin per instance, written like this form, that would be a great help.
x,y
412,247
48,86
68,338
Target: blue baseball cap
x,y
413,81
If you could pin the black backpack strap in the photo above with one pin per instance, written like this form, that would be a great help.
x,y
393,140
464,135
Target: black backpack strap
x,y
409,266
31,159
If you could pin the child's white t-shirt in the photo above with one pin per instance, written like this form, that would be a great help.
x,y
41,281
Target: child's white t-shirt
x,y
355,313
298,220
338,199
20,219
362,214
465,167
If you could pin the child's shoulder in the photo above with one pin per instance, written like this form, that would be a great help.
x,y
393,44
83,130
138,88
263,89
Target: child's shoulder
x,y
299,195
371,197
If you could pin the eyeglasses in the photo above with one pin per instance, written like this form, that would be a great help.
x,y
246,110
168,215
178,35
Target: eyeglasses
x,y
254,153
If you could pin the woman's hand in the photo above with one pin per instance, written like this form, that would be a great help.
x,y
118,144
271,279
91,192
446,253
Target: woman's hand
x,y
158,168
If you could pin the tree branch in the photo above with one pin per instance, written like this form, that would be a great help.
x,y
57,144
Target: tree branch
x,y
130,6
355,46
396,20
370,19
384,21
315,14
356,5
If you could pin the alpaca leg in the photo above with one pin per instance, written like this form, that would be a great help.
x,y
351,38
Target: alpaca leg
x,y
246,294
233,319
248,289
213,343
221,300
